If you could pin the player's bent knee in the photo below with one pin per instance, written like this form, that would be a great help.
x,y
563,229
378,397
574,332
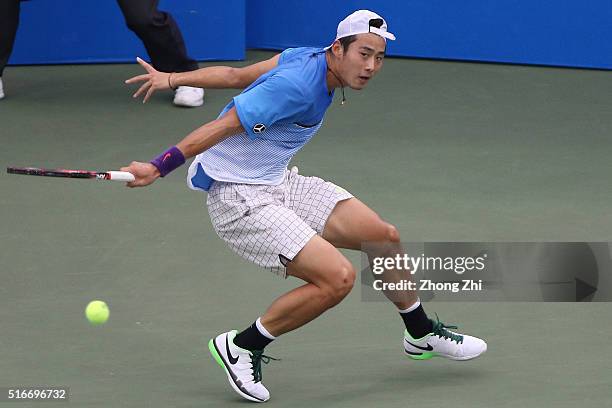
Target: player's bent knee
x,y
340,284
393,234
346,278
387,232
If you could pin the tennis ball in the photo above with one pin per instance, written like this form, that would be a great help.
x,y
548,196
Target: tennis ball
x,y
97,312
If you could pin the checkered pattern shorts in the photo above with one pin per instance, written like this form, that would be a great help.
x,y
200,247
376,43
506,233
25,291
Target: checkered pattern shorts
x,y
269,225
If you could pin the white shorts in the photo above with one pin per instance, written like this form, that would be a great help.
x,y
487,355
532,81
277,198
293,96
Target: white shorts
x,y
269,225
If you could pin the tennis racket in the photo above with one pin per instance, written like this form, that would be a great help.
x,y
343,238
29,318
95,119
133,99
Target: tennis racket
x,y
81,174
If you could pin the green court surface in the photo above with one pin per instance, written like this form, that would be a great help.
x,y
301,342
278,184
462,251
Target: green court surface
x,y
446,151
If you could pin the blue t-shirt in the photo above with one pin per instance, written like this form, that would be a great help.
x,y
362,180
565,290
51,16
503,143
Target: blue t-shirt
x,y
280,112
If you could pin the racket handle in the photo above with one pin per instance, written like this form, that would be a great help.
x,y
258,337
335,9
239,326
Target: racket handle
x,y
120,176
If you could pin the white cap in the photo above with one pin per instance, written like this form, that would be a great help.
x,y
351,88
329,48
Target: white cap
x,y
362,22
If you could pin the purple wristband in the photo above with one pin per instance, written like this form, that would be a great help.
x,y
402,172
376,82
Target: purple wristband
x,y
168,160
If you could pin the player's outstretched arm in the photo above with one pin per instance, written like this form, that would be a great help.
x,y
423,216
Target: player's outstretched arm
x,y
195,143
211,77
205,137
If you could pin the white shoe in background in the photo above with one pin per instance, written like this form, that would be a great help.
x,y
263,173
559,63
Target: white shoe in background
x,y
189,96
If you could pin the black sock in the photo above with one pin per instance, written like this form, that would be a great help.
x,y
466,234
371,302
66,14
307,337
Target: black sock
x,y
252,339
417,323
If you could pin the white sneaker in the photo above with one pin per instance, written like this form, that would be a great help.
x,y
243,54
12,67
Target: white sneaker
x,y
243,367
189,96
1,89
443,343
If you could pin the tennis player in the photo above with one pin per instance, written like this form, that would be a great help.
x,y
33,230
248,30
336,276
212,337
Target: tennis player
x,y
285,222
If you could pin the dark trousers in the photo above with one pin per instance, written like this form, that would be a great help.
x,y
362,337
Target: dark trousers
x,y
9,20
156,29
159,33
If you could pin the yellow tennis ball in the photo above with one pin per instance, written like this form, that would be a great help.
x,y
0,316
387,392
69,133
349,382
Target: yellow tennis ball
x,y
97,312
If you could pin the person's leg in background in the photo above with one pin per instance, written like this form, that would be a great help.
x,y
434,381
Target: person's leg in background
x,y
9,21
164,42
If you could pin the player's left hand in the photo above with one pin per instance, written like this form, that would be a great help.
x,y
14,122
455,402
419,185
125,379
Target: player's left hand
x,y
154,80
145,174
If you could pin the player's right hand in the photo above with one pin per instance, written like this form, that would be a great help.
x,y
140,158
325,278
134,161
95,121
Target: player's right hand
x,y
145,174
153,80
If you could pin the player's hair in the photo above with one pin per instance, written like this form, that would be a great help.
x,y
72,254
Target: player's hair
x,y
346,41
